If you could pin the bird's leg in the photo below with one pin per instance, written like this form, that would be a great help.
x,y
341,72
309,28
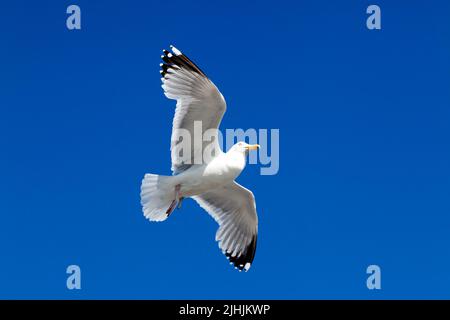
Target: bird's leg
x,y
171,207
179,203
178,197
175,202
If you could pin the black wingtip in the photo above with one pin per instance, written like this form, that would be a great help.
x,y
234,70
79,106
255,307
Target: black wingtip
x,y
245,260
178,59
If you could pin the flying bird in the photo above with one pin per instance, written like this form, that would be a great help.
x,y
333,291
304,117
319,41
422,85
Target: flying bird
x,y
210,183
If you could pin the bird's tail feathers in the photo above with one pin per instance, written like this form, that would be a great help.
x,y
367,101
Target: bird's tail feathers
x,y
156,196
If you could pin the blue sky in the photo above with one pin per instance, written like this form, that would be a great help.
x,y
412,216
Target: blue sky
x,y
364,148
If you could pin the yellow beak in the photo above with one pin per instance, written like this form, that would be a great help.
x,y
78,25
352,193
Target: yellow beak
x,y
252,147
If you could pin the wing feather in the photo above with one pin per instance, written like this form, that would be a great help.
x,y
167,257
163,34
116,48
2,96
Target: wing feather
x,y
233,207
198,99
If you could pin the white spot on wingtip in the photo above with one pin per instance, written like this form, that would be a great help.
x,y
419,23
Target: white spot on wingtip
x,y
176,51
247,266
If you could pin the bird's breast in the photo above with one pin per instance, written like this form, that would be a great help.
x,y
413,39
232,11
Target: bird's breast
x,y
208,177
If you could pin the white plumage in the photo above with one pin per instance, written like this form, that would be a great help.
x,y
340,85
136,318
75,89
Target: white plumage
x,y
209,181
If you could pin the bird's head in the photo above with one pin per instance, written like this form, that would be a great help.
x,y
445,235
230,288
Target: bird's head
x,y
244,148
237,155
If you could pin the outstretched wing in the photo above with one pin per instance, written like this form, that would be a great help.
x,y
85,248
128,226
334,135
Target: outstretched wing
x,y
198,100
234,209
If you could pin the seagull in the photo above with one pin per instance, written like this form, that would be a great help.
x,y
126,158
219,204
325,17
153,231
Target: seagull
x,y
211,183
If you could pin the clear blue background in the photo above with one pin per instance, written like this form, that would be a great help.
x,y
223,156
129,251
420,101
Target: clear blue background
x,y
364,148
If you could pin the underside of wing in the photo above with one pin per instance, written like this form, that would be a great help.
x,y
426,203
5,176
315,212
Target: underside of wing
x,y
233,207
200,105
